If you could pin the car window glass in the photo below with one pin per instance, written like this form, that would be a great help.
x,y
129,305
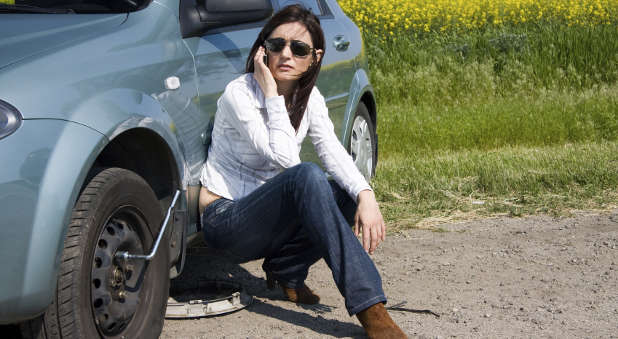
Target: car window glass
x,y
314,5
75,6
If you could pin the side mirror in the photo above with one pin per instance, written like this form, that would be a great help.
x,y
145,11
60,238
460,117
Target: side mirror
x,y
199,16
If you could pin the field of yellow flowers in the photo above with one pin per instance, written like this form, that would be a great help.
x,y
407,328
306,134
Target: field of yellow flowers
x,y
393,17
509,102
435,53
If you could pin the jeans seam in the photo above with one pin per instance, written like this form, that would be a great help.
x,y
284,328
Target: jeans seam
x,y
366,304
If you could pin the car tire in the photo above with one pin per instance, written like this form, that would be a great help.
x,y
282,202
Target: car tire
x,y
98,295
362,142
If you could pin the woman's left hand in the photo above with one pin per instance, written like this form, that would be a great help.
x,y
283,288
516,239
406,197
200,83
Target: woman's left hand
x,y
368,221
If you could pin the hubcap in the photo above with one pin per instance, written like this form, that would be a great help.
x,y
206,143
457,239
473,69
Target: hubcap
x,y
116,284
361,148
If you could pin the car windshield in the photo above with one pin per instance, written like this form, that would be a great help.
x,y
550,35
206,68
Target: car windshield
x,y
71,6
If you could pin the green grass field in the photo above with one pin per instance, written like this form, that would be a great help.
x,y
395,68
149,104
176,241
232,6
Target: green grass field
x,y
516,120
511,180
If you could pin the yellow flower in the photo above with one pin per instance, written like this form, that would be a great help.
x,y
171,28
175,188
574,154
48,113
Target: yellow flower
x,y
396,17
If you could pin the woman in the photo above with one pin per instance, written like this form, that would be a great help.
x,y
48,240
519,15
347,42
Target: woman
x,y
258,201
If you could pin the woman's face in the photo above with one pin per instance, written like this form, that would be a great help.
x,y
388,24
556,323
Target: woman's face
x,y
284,65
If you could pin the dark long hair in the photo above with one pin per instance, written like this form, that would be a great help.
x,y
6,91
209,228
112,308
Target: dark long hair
x,y
295,13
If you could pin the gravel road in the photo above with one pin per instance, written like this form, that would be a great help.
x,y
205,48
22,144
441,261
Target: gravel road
x,y
500,277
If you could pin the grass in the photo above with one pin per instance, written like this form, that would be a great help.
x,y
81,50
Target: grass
x,y
548,117
521,58
509,120
507,181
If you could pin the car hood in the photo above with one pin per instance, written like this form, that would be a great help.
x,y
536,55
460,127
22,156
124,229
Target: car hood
x,y
26,35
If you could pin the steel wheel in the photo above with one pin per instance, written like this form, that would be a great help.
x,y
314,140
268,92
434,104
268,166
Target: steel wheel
x,y
115,289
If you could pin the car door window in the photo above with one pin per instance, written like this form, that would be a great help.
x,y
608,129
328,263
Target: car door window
x,y
318,7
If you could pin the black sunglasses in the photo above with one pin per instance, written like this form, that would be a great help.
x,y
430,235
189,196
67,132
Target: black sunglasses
x,y
297,47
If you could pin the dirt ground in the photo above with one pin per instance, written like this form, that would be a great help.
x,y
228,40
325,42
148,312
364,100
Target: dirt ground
x,y
532,277
500,277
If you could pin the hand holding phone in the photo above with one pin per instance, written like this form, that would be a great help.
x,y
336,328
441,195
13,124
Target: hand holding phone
x,y
263,75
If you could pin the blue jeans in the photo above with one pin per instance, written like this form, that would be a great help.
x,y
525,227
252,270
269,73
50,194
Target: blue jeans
x,y
293,220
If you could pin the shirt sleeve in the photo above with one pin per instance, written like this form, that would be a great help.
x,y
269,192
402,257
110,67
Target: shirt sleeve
x,y
332,154
274,139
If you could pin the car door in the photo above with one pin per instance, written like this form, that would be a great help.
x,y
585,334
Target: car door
x,y
219,57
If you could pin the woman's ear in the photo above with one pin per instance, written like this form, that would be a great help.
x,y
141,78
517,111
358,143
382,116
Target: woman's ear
x,y
318,55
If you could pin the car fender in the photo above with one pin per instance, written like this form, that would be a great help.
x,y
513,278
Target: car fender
x,y
52,174
359,87
70,160
118,110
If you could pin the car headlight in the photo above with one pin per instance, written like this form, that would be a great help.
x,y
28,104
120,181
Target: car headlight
x,y
10,119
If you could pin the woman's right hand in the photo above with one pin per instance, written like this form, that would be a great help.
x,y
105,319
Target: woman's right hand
x,y
263,75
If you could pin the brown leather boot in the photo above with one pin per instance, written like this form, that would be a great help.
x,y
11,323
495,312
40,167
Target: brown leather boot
x,y
300,295
378,324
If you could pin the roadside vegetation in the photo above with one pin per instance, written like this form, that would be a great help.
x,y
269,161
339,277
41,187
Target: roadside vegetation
x,y
492,106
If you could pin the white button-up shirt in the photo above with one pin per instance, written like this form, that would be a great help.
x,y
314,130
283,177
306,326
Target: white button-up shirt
x,y
253,140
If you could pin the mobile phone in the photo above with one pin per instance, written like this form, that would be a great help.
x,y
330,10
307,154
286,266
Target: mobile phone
x,y
265,59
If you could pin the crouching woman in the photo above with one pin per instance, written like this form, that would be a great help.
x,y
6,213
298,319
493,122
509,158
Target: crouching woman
x,y
259,201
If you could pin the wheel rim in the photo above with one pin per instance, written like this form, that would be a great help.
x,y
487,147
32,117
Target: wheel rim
x,y
116,284
361,147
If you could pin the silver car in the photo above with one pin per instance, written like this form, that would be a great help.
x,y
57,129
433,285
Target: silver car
x,y
105,113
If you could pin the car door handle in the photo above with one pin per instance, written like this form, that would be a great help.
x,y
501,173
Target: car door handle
x,y
341,43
